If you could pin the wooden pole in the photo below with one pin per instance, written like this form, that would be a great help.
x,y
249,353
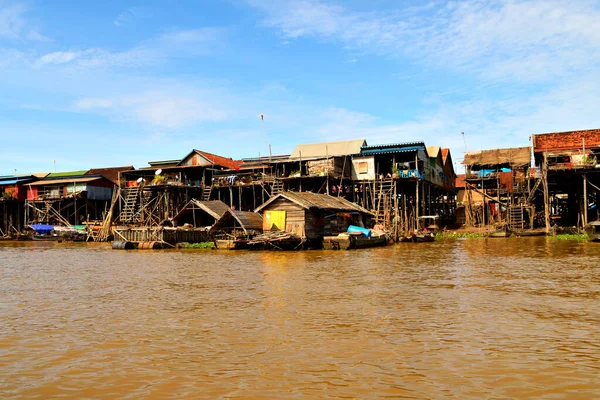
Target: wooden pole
x,y
545,185
585,200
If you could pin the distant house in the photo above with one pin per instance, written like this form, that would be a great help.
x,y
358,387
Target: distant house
x,y
14,187
68,184
68,197
568,150
407,160
311,215
501,178
13,192
570,162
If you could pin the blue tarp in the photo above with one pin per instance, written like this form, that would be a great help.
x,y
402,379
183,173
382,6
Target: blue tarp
x,y
42,229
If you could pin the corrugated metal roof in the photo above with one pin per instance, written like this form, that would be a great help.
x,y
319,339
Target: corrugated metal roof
x,y
389,150
214,208
571,140
328,149
245,219
66,174
111,173
310,200
65,181
12,180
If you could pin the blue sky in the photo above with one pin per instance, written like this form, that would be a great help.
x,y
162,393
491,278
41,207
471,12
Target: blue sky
x,y
98,84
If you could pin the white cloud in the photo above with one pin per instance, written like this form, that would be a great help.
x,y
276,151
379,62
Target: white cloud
x,y
530,40
126,17
58,57
164,109
93,103
151,52
13,24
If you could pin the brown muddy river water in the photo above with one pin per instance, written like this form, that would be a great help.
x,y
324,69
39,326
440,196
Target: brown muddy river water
x,y
454,319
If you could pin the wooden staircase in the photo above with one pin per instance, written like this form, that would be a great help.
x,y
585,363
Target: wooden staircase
x,y
130,200
206,193
516,221
277,187
384,196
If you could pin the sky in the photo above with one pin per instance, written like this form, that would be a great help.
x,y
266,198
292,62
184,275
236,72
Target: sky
x,y
110,83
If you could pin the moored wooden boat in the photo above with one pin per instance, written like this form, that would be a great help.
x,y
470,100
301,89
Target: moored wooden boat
x,y
531,232
500,233
352,241
363,242
593,231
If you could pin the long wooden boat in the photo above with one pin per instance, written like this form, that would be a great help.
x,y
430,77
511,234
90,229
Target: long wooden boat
x,y
530,233
593,231
419,237
500,233
231,244
45,237
363,242
350,241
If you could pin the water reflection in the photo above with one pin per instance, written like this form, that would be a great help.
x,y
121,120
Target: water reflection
x,y
476,318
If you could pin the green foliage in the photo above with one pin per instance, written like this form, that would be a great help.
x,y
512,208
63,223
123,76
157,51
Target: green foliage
x,y
201,245
9,193
578,238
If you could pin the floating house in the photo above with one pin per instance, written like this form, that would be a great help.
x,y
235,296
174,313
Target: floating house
x,y
569,164
312,216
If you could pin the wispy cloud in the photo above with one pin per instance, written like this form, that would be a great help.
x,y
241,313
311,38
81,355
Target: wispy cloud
x,y
13,24
153,51
126,17
535,40
170,109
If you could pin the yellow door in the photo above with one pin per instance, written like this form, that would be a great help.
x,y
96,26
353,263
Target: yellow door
x,y
273,217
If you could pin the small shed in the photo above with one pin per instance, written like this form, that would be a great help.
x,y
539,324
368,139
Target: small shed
x,y
311,215
200,213
238,223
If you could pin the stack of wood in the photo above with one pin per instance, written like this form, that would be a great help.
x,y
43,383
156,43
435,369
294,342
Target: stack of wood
x,y
273,236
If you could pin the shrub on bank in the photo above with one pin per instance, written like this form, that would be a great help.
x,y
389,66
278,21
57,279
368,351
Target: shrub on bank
x,y
566,236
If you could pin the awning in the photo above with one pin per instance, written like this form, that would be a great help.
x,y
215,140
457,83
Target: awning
x,y
64,181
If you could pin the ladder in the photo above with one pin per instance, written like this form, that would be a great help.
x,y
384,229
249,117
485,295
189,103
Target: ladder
x,y
130,198
206,193
277,187
515,217
383,200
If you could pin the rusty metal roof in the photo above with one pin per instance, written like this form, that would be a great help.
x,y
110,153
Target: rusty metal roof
x,y
111,173
512,158
214,208
247,220
572,140
310,200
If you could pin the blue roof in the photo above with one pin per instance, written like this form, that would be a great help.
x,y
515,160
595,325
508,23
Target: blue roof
x,y
393,148
14,180
384,150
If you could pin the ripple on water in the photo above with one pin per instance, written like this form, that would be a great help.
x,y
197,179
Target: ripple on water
x,y
474,319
